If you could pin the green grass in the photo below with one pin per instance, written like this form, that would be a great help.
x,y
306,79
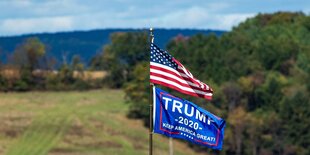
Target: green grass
x,y
74,123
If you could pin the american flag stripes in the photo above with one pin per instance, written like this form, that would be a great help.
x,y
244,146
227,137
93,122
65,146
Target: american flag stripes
x,y
167,71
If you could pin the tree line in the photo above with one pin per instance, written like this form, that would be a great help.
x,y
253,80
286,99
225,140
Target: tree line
x,y
259,71
30,67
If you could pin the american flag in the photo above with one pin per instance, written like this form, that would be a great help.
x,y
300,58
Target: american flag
x,y
167,71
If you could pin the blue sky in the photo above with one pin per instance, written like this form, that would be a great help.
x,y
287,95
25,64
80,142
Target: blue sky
x,y
32,16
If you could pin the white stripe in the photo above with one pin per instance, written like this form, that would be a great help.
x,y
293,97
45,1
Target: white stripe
x,y
181,74
184,75
179,86
169,68
174,77
197,85
165,67
196,80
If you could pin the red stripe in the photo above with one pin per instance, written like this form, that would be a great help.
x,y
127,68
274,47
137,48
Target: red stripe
x,y
193,80
177,81
187,78
180,90
181,77
170,72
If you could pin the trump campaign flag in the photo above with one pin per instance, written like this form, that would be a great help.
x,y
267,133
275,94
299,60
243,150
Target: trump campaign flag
x,y
178,118
167,71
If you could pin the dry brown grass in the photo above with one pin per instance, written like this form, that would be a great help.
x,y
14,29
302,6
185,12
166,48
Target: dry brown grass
x,y
97,124
13,73
90,75
10,72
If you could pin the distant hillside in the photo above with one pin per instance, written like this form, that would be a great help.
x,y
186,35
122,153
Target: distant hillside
x,y
86,43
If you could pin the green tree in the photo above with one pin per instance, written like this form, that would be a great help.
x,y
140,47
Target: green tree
x,y
122,54
260,75
237,120
28,54
3,83
77,66
97,63
295,115
269,94
27,58
137,93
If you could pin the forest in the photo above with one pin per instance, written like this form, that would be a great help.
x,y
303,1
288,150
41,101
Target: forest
x,y
259,71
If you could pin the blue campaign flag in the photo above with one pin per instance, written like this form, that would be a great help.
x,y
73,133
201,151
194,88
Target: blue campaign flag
x,y
178,118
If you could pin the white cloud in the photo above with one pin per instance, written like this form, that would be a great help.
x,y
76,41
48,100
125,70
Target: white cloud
x,y
20,4
32,9
217,6
19,26
226,22
29,16
192,17
198,17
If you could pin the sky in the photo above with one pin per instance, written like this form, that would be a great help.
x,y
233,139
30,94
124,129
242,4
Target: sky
x,y
36,16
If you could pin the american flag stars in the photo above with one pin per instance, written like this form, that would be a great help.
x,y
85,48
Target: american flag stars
x,y
167,71
162,57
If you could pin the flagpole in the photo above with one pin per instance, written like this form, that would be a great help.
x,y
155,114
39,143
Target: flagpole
x,y
151,105
170,146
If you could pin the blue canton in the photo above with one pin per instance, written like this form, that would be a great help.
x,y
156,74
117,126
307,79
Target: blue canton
x,y
162,57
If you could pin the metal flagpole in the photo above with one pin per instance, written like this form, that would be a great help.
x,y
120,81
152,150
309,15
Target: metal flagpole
x,y
170,146
151,105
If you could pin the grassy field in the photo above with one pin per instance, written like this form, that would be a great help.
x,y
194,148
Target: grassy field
x,y
74,123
